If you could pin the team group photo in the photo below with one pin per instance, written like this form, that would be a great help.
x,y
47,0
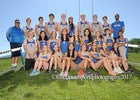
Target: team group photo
x,y
74,50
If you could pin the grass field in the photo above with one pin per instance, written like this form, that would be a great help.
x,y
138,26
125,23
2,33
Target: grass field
x,y
18,85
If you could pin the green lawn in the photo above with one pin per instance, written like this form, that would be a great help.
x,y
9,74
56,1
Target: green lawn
x,y
19,86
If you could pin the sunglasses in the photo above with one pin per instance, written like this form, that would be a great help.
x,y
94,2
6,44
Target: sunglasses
x,y
18,22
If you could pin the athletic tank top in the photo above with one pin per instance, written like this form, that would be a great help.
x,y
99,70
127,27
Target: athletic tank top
x,y
95,27
52,43
31,47
63,25
40,28
42,43
84,54
83,26
70,34
45,56
51,26
122,41
105,27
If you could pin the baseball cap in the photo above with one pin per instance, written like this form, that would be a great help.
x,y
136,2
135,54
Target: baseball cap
x,y
17,21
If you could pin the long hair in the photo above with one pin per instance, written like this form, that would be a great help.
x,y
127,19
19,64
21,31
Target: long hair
x,y
42,51
58,49
52,33
75,38
89,35
71,24
62,37
45,38
72,50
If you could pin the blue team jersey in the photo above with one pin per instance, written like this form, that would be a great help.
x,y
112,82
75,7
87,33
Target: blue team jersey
x,y
105,27
28,29
86,41
99,42
116,26
70,34
77,45
64,46
42,43
122,41
52,43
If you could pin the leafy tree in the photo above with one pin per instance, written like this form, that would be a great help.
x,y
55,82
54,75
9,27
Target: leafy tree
x,y
135,41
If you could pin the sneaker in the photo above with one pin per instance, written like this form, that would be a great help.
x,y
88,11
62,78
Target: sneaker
x,y
16,67
37,72
65,74
61,74
116,70
13,67
129,70
32,73
120,70
80,73
87,72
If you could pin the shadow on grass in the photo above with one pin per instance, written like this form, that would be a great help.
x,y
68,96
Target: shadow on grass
x,y
136,71
127,77
12,80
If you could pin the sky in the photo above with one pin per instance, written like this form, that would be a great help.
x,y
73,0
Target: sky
x,y
22,9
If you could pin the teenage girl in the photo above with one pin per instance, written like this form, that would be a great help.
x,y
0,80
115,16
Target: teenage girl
x,y
56,59
108,39
42,40
99,61
52,41
121,43
76,41
71,28
87,39
64,41
42,60
98,40
68,60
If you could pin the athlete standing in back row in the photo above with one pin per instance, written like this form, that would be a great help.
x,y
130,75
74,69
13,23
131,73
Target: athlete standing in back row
x,y
95,25
63,24
27,27
40,27
82,25
50,26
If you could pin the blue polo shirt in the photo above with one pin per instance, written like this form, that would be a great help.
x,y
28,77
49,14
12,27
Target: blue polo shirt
x,y
116,26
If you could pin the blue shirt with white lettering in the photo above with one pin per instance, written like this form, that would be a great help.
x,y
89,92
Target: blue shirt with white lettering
x,y
116,26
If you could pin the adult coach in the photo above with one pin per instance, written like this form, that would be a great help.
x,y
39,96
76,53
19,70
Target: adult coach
x,y
116,26
15,36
